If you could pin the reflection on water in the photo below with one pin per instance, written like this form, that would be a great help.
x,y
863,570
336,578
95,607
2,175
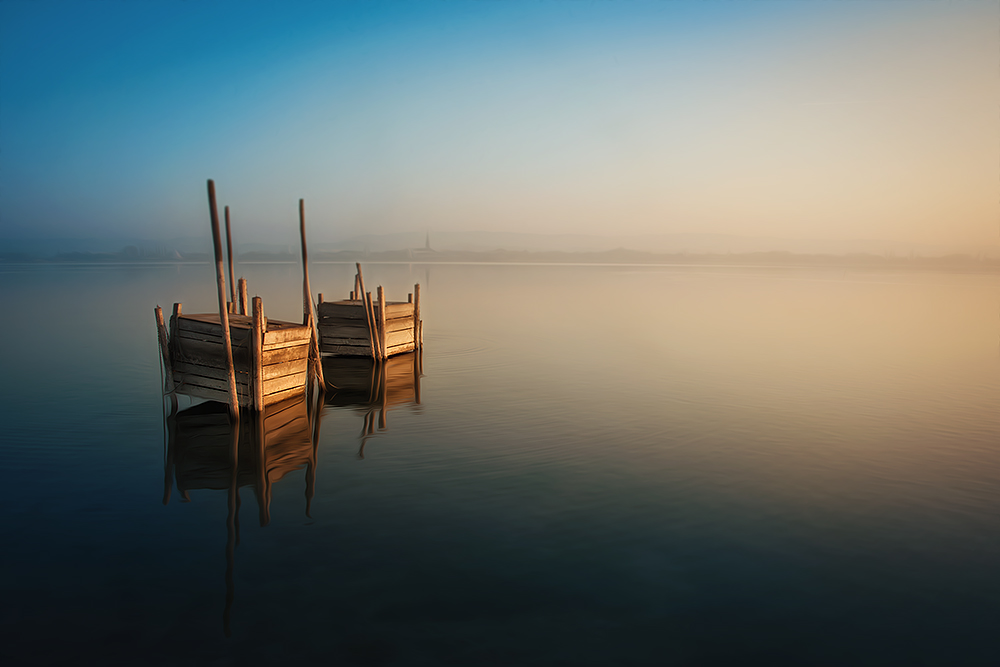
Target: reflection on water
x,y
607,465
372,389
205,450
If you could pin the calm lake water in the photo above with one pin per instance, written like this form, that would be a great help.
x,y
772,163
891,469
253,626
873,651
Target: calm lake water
x,y
607,465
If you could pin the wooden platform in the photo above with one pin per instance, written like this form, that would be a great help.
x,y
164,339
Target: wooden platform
x,y
344,329
198,360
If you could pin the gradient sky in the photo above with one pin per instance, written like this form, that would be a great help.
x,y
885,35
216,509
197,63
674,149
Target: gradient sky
x,y
815,120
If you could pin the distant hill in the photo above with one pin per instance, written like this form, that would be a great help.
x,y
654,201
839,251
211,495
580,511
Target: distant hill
x,y
659,243
484,242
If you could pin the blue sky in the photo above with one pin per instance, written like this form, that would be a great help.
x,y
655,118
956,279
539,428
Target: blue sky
x,y
820,119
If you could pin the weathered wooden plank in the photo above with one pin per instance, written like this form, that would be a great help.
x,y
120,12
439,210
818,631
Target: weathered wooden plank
x,y
284,382
208,377
194,369
285,354
398,309
404,347
274,336
343,321
208,353
353,310
349,350
197,336
199,388
399,324
353,330
287,368
210,319
290,343
399,337
339,340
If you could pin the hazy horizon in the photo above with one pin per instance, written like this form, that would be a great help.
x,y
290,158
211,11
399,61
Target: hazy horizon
x,y
818,121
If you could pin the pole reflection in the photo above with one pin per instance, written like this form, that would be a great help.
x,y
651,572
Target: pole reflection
x,y
373,388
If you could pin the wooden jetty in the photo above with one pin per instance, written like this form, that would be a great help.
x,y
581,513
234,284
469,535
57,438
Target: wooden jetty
x,y
235,357
270,357
361,326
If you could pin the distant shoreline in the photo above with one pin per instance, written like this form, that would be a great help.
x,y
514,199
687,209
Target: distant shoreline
x,y
620,257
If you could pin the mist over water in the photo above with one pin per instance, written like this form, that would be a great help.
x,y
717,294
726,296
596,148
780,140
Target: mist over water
x,y
606,465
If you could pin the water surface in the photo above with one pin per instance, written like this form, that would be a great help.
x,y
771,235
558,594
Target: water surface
x,y
606,465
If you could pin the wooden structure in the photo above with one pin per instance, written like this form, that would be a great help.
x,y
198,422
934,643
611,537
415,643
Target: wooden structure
x,y
233,356
270,357
361,326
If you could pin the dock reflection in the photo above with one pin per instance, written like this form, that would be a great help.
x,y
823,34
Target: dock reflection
x,y
206,451
373,388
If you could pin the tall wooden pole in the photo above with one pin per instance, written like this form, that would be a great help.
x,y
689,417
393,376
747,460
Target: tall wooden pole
x,y
234,400
369,313
383,338
416,316
168,369
229,246
257,354
244,301
310,311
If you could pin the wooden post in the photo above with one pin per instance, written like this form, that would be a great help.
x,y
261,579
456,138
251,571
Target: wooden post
x,y
244,302
416,375
257,355
173,320
234,399
366,301
319,298
263,482
310,314
416,316
229,246
383,338
383,398
358,288
161,331
372,325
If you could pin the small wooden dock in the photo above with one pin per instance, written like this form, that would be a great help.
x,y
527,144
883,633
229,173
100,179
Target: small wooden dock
x,y
237,357
270,357
361,326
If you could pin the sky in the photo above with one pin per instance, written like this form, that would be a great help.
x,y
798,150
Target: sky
x,y
820,119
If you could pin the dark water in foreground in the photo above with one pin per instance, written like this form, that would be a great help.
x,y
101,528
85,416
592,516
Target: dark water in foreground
x,y
608,465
